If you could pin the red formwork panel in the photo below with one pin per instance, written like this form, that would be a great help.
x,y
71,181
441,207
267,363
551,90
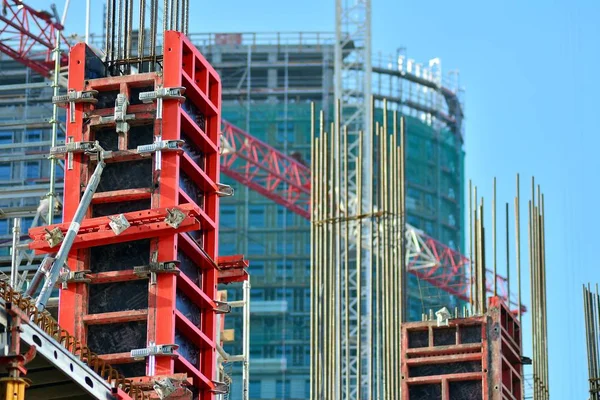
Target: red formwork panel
x,y
475,358
117,308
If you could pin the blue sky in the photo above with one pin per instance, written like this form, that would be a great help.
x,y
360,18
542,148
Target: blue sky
x,y
531,100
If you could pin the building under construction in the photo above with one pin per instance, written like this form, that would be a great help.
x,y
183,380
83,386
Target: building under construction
x,y
142,142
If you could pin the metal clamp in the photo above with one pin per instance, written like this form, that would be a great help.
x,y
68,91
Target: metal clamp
x,y
54,237
161,145
154,350
73,277
73,97
73,147
120,116
164,388
118,224
220,387
443,316
169,267
224,190
175,217
160,94
221,307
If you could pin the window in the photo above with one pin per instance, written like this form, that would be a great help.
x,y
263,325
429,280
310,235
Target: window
x,y
255,352
306,300
451,220
307,386
228,215
33,136
284,270
5,172
429,149
429,201
285,131
255,389
6,137
32,170
451,194
307,270
285,247
256,217
255,248
227,246
286,294
3,226
26,224
257,269
429,228
256,294
413,220
413,146
282,388
289,218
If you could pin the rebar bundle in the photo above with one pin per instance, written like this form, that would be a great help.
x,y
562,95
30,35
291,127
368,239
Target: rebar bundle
x,y
121,30
537,255
591,308
341,331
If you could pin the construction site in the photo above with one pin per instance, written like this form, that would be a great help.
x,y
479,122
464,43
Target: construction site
x,y
258,215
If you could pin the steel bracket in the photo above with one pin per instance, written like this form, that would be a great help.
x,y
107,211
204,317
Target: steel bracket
x,y
73,277
74,147
160,145
167,350
166,267
73,97
164,388
120,116
222,307
224,190
220,387
54,236
175,217
118,224
160,94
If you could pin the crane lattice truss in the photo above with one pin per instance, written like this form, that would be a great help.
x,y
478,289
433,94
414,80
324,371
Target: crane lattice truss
x,y
26,36
352,74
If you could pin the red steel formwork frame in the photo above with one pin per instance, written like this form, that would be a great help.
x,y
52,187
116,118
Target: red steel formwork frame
x,y
475,358
29,36
179,307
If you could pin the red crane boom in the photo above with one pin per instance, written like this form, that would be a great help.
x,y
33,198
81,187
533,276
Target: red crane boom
x,y
28,36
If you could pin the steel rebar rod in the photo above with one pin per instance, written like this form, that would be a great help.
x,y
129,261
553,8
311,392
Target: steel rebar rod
x,y
507,259
313,291
346,268
471,271
141,35
403,266
359,195
495,273
518,252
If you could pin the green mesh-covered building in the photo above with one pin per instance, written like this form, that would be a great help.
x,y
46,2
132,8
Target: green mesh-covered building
x,y
269,81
